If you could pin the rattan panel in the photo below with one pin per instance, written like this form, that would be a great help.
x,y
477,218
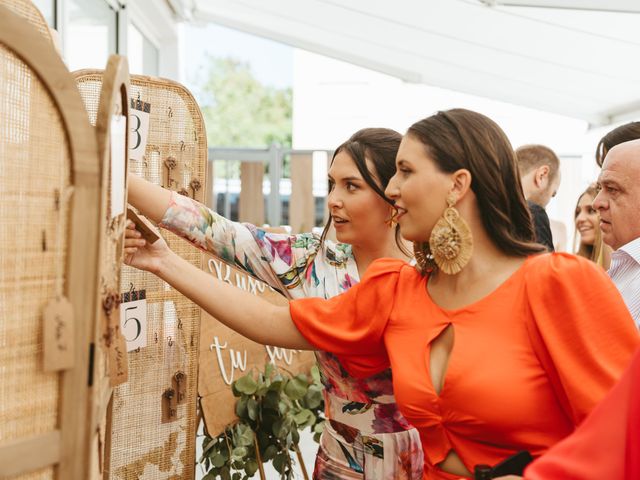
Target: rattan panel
x,y
34,178
140,445
27,10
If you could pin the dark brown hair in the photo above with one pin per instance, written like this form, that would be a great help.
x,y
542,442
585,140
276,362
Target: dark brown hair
x,y
380,146
624,133
534,156
459,138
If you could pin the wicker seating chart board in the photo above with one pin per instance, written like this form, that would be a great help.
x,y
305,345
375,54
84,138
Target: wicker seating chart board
x,y
33,239
49,202
226,355
141,443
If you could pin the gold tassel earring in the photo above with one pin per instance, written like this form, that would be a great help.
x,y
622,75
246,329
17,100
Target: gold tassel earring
x,y
423,256
451,243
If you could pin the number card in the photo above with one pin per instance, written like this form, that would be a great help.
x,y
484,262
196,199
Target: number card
x,y
133,319
139,115
118,159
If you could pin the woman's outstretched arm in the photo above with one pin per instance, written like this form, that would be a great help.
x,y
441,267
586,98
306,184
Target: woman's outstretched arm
x,y
247,314
281,260
152,200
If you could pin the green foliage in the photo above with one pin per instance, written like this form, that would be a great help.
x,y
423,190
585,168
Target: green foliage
x,y
272,407
239,111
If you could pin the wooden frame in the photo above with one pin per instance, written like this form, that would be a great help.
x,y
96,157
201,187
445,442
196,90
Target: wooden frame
x,y
66,447
114,100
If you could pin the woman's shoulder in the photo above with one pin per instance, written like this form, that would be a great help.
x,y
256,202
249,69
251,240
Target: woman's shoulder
x,y
335,253
386,266
561,265
557,274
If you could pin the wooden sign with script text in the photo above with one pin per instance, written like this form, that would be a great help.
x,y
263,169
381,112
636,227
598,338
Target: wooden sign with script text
x,y
226,355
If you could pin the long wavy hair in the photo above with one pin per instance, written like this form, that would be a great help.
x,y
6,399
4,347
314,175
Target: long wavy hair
x,y
597,252
461,138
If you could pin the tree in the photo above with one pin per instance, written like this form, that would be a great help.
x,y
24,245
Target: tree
x,y
239,111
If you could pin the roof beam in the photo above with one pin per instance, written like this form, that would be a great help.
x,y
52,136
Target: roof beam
x,y
624,6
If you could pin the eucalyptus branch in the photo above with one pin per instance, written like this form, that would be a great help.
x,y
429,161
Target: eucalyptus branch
x,y
272,408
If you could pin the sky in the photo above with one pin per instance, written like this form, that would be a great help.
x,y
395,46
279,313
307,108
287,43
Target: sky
x,y
271,62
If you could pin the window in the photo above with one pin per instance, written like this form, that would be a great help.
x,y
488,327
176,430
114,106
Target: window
x,y
48,9
90,33
143,55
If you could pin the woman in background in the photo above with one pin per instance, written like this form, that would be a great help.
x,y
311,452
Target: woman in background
x,y
588,237
365,436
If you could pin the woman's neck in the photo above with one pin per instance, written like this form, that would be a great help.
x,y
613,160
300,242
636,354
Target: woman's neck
x,y
365,254
487,269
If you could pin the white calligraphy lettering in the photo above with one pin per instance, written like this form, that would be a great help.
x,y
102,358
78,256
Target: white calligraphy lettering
x,y
276,353
238,360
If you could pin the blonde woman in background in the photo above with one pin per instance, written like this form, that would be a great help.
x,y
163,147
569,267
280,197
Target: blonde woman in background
x,y
588,238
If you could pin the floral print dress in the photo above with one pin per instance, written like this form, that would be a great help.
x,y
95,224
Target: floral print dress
x,y
365,436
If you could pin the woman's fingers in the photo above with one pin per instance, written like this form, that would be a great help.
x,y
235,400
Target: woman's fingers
x,y
132,233
134,242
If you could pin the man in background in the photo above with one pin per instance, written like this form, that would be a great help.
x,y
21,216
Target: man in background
x,y
540,177
618,203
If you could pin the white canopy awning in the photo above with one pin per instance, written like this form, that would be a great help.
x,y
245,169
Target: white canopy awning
x,y
580,63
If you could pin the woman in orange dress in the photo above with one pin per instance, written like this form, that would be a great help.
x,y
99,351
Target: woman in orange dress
x,y
495,347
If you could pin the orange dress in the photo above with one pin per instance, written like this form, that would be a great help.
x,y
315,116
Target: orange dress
x,y
529,361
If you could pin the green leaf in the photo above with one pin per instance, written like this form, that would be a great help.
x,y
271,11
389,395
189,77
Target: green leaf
x,y
206,446
241,408
218,461
252,409
304,418
313,397
280,461
297,387
262,390
318,427
269,370
271,400
276,385
246,440
269,453
315,374
235,391
239,453
282,427
295,437
283,406
251,467
246,385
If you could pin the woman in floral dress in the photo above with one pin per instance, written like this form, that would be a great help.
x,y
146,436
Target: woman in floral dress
x,y
365,436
